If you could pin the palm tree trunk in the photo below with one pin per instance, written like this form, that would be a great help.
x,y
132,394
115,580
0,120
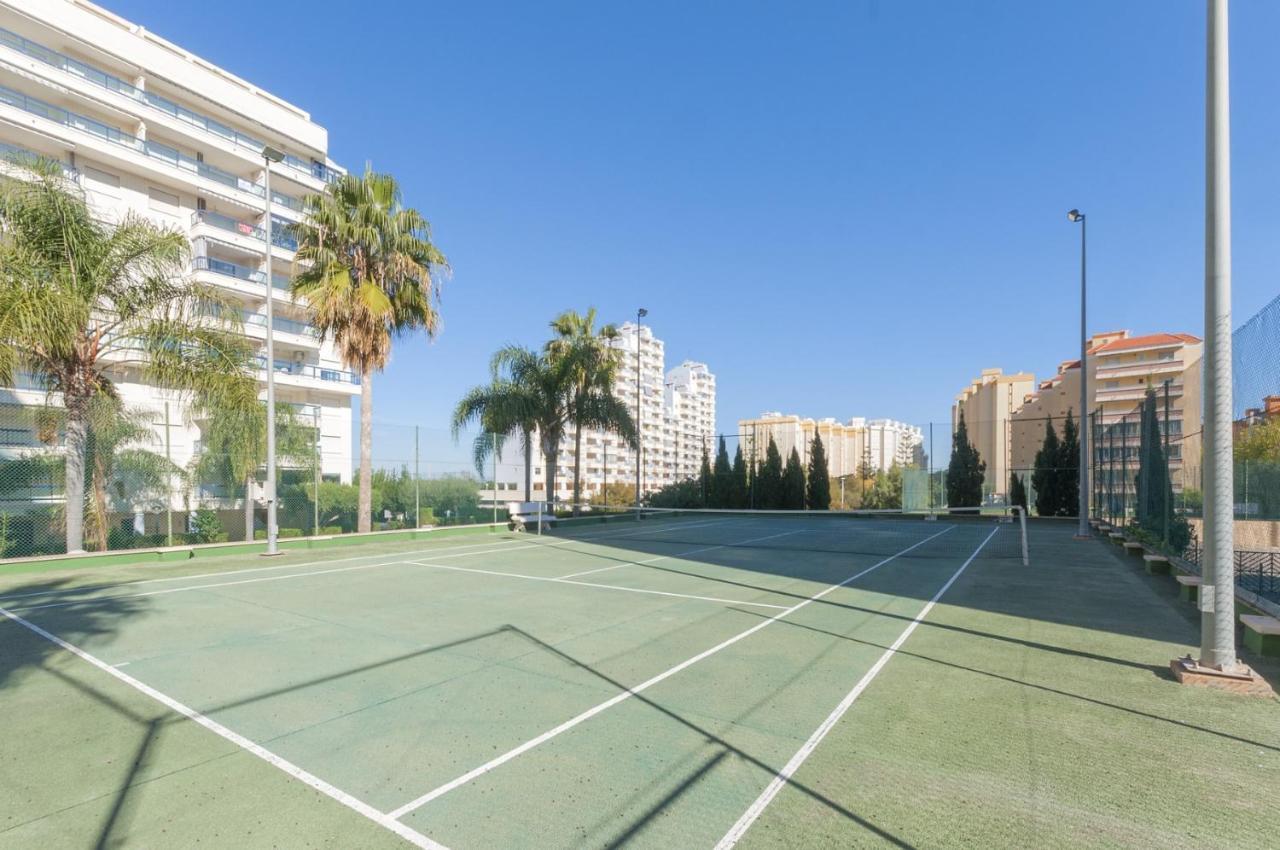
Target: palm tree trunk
x,y
364,522
77,428
528,466
577,469
248,506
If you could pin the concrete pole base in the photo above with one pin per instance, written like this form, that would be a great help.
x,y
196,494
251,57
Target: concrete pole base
x,y
1082,537
1242,680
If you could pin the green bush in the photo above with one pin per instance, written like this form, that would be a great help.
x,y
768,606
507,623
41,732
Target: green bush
x,y
206,527
330,529
261,533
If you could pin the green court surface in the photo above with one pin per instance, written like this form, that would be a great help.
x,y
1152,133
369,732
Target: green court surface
x,y
757,681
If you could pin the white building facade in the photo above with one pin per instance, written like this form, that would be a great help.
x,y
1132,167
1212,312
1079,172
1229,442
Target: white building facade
x,y
144,127
676,416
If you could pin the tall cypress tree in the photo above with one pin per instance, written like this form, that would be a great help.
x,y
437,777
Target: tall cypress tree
x,y
1018,492
965,472
738,492
769,475
705,482
819,495
1045,478
1068,469
721,478
793,483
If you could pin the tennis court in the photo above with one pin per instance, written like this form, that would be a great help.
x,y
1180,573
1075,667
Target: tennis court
x,y
666,682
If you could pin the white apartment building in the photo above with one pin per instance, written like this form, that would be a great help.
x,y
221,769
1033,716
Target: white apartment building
x,y
677,420
877,443
146,127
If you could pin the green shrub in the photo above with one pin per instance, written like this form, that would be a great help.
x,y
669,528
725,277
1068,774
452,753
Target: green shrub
x,y
206,527
330,529
283,533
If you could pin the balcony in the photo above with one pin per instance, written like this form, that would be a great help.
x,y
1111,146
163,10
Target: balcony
x,y
1136,392
15,154
309,373
1138,370
110,82
243,279
279,230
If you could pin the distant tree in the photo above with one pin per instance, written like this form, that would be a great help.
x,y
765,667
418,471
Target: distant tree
x,y
1155,514
886,490
705,481
682,494
619,495
819,495
793,483
1045,479
769,479
1018,491
738,490
721,478
1068,469
965,472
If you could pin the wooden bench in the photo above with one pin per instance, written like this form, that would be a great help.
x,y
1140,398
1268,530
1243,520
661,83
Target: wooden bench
x,y
1261,634
1188,588
1116,537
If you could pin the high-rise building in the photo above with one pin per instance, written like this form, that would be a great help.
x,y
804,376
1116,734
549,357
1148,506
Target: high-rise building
x,y
987,405
877,443
1121,369
145,127
677,423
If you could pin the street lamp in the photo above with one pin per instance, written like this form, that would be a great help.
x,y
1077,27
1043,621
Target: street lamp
x,y
640,314
270,155
1082,531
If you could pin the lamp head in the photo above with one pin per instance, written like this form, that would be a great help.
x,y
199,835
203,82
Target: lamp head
x,y
1075,215
271,154
641,313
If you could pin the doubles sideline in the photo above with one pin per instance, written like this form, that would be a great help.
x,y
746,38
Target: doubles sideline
x,y
554,732
783,776
409,834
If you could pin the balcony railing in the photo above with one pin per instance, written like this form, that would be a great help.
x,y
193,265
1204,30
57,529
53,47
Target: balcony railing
x,y
279,230
155,150
310,370
13,153
110,82
281,282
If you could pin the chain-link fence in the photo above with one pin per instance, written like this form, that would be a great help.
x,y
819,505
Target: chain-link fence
x,y
153,477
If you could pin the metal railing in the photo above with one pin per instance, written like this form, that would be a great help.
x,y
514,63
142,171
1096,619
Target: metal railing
x,y
111,82
13,153
279,230
281,282
1256,571
311,370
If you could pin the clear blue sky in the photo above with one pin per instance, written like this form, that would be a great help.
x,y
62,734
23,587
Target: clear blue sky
x,y
845,209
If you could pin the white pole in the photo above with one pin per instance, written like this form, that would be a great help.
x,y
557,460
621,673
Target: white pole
x,y
1082,431
1217,593
272,546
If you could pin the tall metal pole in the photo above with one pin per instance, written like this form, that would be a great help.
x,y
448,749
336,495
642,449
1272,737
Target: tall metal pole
x,y
272,543
168,497
495,479
1217,593
640,314
315,502
417,512
1083,529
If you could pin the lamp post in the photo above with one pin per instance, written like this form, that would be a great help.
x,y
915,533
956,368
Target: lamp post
x,y
1217,593
640,314
1082,531
270,155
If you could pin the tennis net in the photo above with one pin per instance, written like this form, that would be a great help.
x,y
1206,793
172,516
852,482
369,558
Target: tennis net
x,y
951,532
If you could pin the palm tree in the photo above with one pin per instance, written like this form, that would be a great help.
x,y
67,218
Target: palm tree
x,y
83,302
234,447
503,408
368,271
594,364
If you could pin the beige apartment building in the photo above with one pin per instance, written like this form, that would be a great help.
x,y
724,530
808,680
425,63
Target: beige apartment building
x,y
988,405
878,443
1121,369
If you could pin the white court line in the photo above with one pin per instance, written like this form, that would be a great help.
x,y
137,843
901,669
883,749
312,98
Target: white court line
x,y
749,817
91,587
407,833
630,692
657,558
402,559
556,580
